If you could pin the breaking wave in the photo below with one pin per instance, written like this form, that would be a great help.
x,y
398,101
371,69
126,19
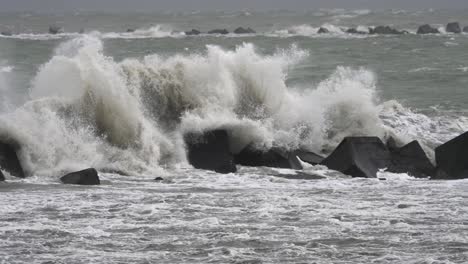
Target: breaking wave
x,y
86,109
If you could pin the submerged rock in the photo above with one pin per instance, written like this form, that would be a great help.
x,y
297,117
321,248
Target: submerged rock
x,y
241,30
453,27
158,179
384,30
323,30
359,157
9,160
6,33
2,177
84,177
309,157
55,30
427,29
219,31
130,30
210,151
411,159
273,158
452,159
192,32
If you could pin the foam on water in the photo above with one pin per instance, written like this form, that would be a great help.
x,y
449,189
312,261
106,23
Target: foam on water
x,y
247,217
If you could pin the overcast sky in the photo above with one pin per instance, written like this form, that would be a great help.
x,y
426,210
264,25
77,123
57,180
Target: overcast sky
x,y
164,5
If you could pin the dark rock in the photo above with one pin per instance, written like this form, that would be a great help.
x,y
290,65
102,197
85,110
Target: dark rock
x,y
427,29
192,32
241,30
55,30
453,27
309,157
272,158
130,30
9,160
355,31
452,159
219,31
84,177
158,179
2,177
323,30
6,33
465,29
392,144
210,151
411,159
403,206
359,157
384,30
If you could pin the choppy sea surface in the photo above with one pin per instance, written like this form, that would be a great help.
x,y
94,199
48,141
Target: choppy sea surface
x,y
120,101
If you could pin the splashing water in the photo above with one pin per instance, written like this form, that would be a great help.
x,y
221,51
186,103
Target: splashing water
x,y
86,109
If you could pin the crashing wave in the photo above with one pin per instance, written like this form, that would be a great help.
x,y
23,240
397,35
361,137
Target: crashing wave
x,y
86,109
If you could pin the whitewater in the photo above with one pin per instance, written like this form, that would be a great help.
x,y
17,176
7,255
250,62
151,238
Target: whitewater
x,y
121,102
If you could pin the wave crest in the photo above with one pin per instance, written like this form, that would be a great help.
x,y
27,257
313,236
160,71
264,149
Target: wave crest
x,y
88,110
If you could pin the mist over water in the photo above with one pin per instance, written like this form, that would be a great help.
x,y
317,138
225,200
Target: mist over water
x,y
121,102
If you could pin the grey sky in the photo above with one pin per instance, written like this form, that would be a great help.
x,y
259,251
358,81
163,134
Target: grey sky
x,y
161,5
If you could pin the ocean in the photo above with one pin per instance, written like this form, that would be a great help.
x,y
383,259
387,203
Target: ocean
x,y
121,102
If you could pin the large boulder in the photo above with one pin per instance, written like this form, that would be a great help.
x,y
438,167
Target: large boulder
x,y
359,157
309,157
273,158
192,32
384,30
2,177
323,30
84,177
427,29
411,159
210,151
219,31
355,31
55,30
452,159
9,160
241,30
453,27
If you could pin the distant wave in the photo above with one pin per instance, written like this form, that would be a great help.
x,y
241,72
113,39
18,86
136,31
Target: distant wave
x,y
157,31
423,69
6,69
166,31
306,30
